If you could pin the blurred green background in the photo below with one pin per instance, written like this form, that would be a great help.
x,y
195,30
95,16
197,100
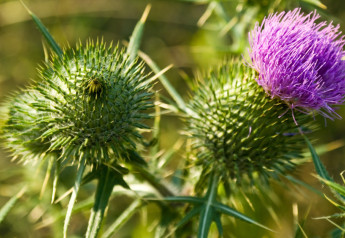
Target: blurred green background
x,y
191,35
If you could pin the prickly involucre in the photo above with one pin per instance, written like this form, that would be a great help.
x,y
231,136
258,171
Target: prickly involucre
x,y
236,129
90,103
300,61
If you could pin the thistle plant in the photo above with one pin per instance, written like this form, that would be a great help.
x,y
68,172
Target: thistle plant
x,y
300,61
91,104
237,136
86,107
237,130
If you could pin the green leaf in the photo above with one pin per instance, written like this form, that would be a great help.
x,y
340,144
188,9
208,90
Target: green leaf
x,y
232,212
300,233
135,39
135,157
56,179
319,167
205,220
108,178
321,170
156,129
48,172
334,203
336,225
169,214
335,186
337,233
207,13
218,222
74,196
186,199
56,48
206,216
210,210
317,3
189,216
7,207
325,148
123,218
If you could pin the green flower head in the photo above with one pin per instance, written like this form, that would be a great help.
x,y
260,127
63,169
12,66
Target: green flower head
x,y
237,130
90,103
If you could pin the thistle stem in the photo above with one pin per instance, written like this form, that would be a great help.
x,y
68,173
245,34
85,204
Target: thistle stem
x,y
212,188
124,217
206,216
73,198
105,187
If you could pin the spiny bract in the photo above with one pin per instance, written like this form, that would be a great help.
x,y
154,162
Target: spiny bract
x,y
237,130
89,104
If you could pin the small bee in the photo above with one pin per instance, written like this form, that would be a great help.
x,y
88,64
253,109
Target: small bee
x,y
94,86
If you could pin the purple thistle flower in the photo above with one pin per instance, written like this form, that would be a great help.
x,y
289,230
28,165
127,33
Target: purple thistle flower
x,y
300,61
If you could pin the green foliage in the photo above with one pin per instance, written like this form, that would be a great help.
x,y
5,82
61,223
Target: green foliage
x,y
44,31
209,210
88,107
337,189
7,207
107,179
319,167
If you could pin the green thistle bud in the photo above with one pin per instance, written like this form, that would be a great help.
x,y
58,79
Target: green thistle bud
x,y
239,132
88,103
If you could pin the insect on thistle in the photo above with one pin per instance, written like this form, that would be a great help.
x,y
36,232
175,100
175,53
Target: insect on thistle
x,y
94,86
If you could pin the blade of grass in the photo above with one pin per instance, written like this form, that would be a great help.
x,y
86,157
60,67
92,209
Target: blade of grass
x,y
56,179
335,186
79,207
135,39
7,207
74,196
157,75
44,31
206,15
334,203
319,167
123,218
187,199
156,129
316,3
232,212
46,178
107,180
